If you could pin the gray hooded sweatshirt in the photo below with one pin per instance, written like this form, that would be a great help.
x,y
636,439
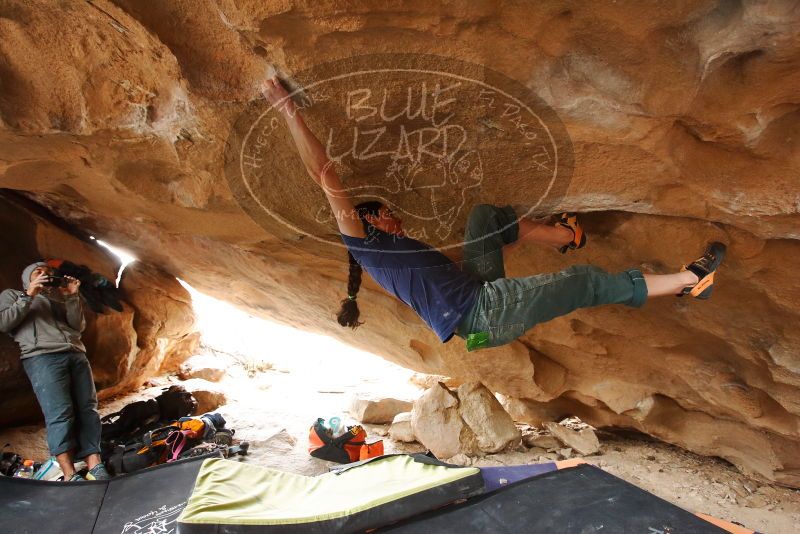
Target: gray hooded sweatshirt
x,y
41,324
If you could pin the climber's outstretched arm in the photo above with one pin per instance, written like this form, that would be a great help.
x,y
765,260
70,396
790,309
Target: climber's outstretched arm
x,y
317,164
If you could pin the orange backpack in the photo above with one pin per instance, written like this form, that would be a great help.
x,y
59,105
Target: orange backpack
x,y
351,446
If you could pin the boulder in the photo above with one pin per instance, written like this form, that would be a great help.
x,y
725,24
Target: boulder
x,y
426,381
543,441
466,421
520,410
203,366
377,411
484,414
209,400
584,442
209,395
401,429
437,424
459,459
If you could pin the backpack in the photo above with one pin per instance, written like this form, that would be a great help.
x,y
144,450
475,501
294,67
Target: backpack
x,y
130,457
163,444
174,403
351,446
129,420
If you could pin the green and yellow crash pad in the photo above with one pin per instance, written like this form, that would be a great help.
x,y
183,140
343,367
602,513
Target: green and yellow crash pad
x,y
373,493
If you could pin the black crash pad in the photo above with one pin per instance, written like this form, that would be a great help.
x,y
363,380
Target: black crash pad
x,y
582,499
146,501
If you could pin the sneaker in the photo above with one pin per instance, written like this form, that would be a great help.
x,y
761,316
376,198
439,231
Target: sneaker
x,y
76,478
570,220
704,268
98,472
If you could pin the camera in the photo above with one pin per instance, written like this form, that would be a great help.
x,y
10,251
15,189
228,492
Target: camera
x,y
55,281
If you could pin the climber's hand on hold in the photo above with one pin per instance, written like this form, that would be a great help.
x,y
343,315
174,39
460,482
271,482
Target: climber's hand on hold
x,y
276,95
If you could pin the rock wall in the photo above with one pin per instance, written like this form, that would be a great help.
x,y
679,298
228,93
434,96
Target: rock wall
x,y
683,124
153,333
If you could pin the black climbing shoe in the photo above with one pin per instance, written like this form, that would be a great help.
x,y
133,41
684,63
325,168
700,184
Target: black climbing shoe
x,y
570,220
704,268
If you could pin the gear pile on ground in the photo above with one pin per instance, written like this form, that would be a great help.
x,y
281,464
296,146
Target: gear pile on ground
x,y
161,430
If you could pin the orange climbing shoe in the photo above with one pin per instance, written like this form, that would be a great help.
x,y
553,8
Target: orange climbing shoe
x,y
570,220
705,267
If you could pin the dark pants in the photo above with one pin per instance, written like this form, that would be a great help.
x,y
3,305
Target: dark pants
x,y
507,307
65,390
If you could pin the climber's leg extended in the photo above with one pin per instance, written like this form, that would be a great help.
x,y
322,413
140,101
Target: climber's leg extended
x,y
489,229
704,269
544,234
695,279
659,285
565,235
507,307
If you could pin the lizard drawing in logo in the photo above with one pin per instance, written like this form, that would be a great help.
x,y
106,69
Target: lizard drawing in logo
x,y
426,185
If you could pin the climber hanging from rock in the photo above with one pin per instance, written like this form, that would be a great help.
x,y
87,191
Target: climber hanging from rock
x,y
477,303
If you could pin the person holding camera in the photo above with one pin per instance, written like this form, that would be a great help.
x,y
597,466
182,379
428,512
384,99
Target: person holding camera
x,y
46,320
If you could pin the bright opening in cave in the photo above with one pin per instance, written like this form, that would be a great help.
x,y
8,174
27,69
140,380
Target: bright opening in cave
x,y
324,361
125,257
319,363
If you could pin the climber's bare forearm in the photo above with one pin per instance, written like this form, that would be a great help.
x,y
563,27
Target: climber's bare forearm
x,y
321,169
311,151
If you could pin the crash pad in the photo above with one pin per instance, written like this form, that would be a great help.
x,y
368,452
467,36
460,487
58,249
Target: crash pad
x,y
237,498
146,501
582,499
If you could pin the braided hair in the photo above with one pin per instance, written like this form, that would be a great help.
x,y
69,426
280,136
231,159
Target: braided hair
x,y
348,312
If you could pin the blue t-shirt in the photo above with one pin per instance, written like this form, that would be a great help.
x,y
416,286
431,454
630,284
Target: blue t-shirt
x,y
420,276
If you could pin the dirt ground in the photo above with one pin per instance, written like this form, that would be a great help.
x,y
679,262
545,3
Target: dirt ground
x,y
272,404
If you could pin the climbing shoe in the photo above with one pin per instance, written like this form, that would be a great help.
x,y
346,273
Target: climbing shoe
x,y
76,478
98,472
704,268
570,220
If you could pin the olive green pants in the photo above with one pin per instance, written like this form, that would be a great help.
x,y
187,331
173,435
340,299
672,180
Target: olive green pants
x,y
507,307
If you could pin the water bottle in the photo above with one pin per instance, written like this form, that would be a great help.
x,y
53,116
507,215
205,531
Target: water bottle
x,y
25,470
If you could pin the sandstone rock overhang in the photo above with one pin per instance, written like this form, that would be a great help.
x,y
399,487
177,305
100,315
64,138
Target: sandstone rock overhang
x,y
684,128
